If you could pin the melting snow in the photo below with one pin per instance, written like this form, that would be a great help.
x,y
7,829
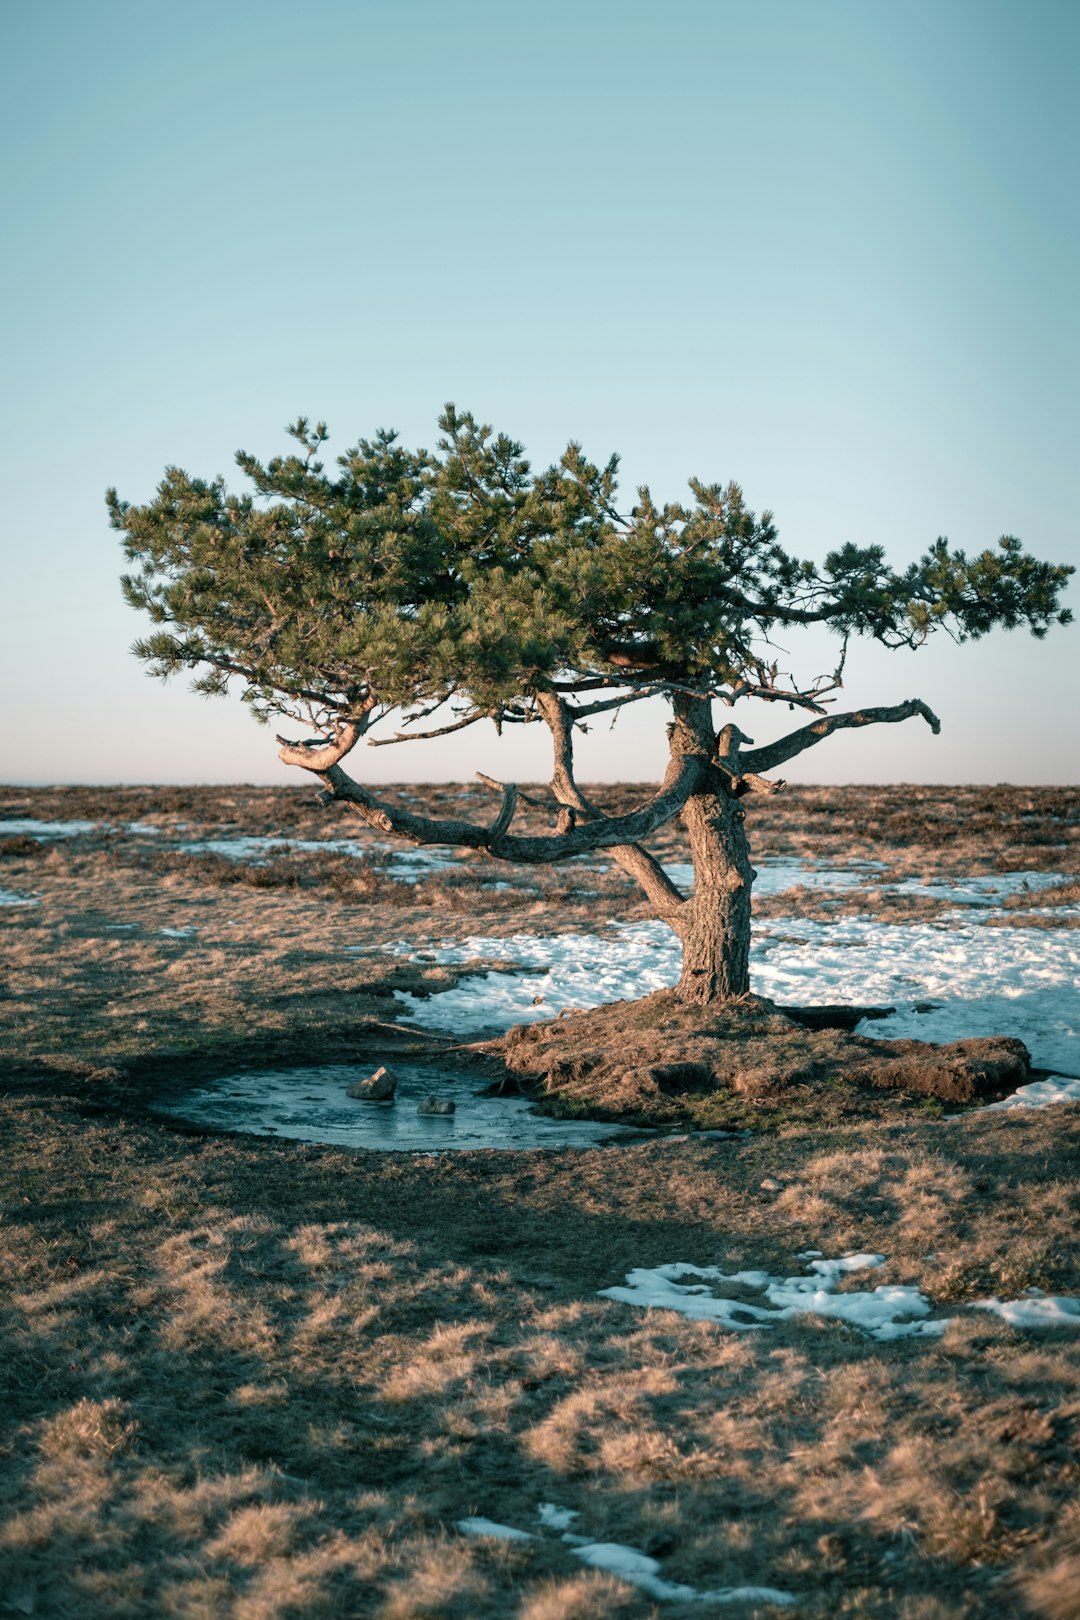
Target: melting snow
x,y
1039,1093
556,1518
488,1527
9,898
1003,981
28,828
626,1563
408,863
879,1311
1051,1310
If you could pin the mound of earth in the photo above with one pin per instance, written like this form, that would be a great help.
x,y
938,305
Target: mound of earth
x,y
659,1058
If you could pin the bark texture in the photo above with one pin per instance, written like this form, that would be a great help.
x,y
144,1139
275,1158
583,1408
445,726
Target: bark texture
x,y
714,925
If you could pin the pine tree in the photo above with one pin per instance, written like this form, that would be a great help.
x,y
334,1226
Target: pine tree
x,y
408,580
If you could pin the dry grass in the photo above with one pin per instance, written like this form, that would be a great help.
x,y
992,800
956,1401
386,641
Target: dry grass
x,y
243,1378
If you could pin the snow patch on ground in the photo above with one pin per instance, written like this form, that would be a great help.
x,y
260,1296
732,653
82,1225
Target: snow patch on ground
x,y
1045,1311
27,827
626,1563
488,1527
553,1517
1039,1094
776,877
8,897
408,864
885,1312
1002,981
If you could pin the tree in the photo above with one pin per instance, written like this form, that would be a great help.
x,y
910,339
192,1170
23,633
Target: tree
x,y
409,580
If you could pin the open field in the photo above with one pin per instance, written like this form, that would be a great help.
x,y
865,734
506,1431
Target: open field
x,y
253,1378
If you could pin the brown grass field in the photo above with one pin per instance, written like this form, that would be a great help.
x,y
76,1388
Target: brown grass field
x,y
257,1379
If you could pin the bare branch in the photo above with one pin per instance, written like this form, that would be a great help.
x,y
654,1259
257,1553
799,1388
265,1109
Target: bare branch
x,y
777,753
633,859
729,758
506,814
682,779
584,711
423,736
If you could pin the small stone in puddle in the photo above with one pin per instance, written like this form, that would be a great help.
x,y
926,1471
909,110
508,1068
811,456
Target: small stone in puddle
x,y
436,1105
378,1087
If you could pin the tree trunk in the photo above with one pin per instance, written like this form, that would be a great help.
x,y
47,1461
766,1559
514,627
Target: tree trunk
x,y
714,925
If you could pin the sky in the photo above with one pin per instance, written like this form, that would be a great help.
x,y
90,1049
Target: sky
x,y
828,248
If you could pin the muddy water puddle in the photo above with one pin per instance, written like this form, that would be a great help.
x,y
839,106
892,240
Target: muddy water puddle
x,y
310,1105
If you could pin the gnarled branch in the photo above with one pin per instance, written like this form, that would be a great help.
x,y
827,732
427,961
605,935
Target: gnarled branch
x,y
682,779
777,753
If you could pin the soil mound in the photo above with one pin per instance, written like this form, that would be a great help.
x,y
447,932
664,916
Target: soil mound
x,y
659,1059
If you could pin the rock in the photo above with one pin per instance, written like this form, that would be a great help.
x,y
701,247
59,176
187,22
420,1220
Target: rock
x,y
436,1105
378,1087
769,1185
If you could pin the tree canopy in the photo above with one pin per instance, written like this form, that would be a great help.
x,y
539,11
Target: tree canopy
x,y
406,579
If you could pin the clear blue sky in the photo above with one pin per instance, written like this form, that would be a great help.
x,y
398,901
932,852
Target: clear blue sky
x,y
826,247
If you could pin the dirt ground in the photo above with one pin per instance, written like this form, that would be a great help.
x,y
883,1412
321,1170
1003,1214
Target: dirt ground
x,y
249,1378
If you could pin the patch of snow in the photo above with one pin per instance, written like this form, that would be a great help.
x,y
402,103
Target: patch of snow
x,y
626,1563
178,933
144,829
554,1517
1005,981
1039,1094
28,828
408,863
1051,1310
488,1527
777,876
978,890
885,1312
8,897
638,1569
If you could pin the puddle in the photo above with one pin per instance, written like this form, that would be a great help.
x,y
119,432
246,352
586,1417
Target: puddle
x,y
310,1105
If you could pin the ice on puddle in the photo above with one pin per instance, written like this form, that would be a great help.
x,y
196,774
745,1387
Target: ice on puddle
x,y
8,897
885,1312
1050,1310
